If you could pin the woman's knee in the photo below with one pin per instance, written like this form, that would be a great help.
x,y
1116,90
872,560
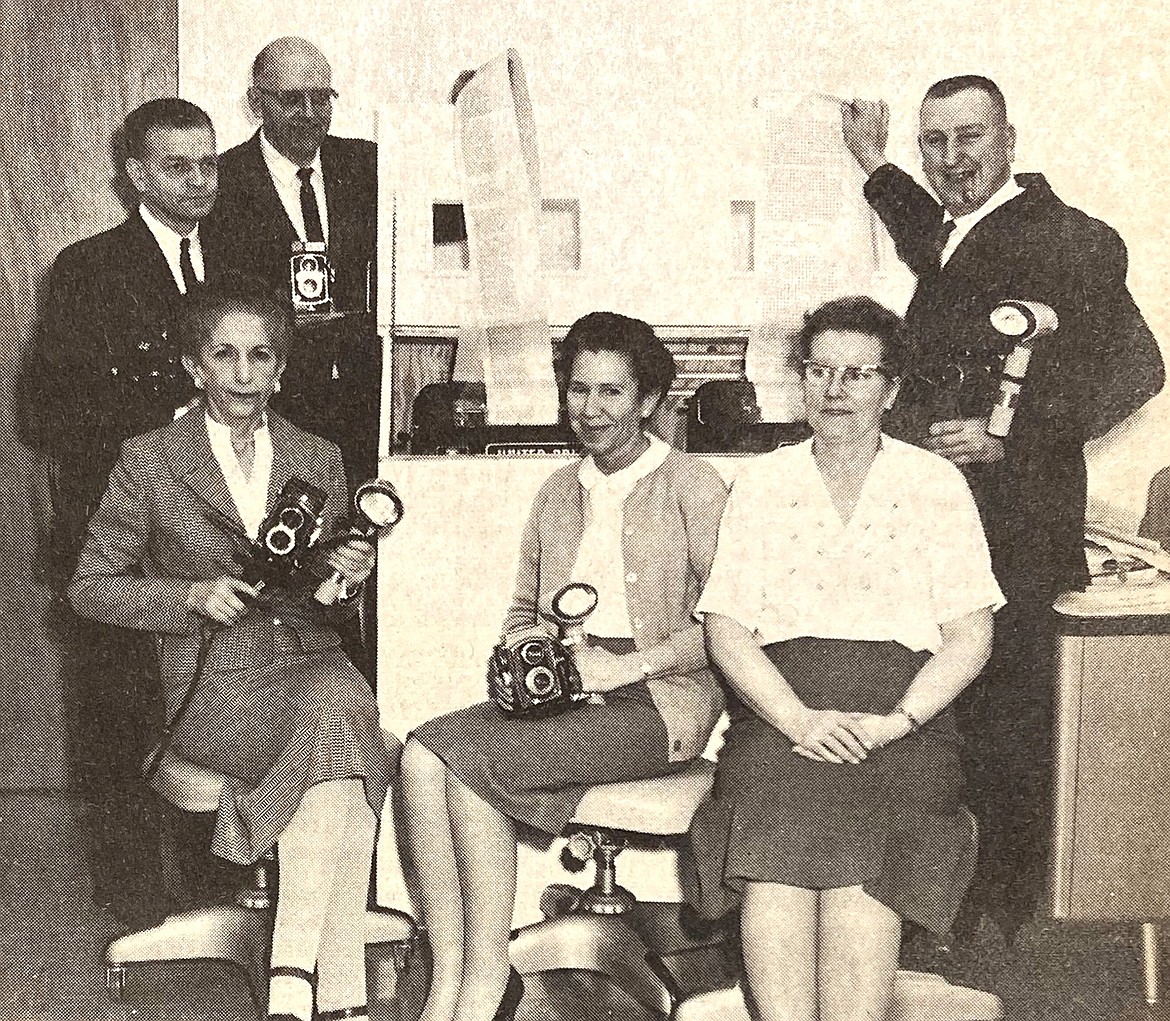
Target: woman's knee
x,y
420,766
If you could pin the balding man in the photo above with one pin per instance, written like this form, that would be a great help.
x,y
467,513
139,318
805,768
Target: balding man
x,y
293,181
993,236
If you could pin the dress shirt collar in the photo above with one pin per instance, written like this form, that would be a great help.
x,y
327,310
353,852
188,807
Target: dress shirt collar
x,y
283,172
965,224
624,479
282,168
249,492
169,242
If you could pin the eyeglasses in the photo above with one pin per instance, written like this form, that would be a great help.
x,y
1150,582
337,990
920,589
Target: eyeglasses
x,y
850,375
290,99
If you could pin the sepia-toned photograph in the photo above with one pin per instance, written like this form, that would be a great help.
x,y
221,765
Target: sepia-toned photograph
x,y
525,512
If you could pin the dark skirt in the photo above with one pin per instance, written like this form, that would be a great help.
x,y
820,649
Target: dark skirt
x,y
537,771
278,730
892,824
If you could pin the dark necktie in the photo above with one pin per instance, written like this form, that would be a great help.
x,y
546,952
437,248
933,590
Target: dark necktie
x,y
944,234
309,211
190,280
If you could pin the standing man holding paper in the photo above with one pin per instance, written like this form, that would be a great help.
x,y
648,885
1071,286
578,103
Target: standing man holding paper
x,y
993,237
293,182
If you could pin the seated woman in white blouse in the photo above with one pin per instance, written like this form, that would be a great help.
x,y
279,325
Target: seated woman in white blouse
x,y
849,604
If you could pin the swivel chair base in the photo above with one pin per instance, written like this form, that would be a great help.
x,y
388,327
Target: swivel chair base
x,y
596,929
239,933
242,936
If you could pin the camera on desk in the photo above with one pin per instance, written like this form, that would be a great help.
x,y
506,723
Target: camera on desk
x,y
532,674
310,277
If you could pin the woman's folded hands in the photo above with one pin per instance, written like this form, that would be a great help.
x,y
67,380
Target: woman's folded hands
x,y
828,735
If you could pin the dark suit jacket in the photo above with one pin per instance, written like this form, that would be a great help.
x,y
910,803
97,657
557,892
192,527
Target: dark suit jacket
x,y
333,382
1101,365
152,537
253,233
103,365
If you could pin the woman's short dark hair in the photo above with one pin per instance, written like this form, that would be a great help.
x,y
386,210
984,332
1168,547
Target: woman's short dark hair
x,y
204,310
652,365
860,314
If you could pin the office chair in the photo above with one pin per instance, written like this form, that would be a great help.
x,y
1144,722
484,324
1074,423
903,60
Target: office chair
x,y
605,929
239,933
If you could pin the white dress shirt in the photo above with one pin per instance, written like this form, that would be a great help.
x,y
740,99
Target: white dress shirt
x,y
249,492
964,224
600,560
169,241
912,557
288,186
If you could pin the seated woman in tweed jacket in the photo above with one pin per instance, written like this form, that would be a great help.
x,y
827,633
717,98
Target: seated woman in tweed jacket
x,y
279,709
638,520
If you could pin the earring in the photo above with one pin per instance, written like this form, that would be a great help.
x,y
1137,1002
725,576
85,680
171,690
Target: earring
x,y
276,386
198,382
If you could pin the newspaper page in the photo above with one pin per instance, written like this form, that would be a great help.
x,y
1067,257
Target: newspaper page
x,y
505,342
817,238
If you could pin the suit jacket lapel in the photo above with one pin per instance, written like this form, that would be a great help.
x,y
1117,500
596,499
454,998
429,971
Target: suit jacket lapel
x,y
289,459
265,189
188,451
152,273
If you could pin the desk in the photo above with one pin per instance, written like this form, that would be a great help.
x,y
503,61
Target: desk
x,y
1111,847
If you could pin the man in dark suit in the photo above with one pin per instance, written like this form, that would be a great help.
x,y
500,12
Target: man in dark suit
x,y
104,367
293,181
996,236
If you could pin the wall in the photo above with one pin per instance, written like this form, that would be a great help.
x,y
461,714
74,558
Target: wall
x,y
70,71
637,108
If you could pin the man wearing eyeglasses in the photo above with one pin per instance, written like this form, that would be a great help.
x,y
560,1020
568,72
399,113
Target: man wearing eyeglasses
x,y
293,181
104,366
992,236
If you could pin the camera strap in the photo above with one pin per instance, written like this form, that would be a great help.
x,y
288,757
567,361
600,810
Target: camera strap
x,y
206,634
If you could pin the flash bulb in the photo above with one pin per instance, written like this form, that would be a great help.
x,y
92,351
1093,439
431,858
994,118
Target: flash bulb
x,y
575,601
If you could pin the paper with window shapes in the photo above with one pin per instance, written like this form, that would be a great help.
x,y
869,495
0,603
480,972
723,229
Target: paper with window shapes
x,y
816,239
504,339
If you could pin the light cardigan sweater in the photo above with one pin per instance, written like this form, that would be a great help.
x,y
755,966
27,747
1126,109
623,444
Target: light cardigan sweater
x,y
669,534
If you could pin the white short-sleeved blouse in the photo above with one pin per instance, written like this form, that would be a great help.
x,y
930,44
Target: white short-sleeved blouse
x,y
912,557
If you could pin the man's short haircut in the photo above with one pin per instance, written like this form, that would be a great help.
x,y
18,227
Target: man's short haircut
x,y
960,83
859,314
651,363
160,113
204,310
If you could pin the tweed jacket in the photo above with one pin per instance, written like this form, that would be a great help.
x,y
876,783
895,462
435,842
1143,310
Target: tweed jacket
x,y
669,533
152,537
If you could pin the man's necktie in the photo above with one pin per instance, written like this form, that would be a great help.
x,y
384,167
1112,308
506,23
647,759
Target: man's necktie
x,y
945,230
309,211
190,280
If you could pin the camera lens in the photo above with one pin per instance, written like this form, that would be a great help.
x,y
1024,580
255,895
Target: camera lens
x,y
532,653
280,540
540,681
292,517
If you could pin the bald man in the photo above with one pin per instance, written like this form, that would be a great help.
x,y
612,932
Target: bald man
x,y
293,180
